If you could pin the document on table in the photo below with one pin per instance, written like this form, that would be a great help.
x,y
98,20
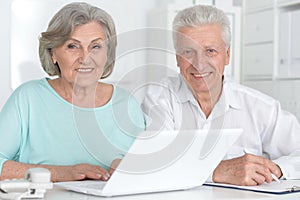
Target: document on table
x,y
285,186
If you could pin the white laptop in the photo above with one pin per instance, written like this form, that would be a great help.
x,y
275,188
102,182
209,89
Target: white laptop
x,y
163,161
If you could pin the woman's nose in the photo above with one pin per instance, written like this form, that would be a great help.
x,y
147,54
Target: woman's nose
x,y
85,56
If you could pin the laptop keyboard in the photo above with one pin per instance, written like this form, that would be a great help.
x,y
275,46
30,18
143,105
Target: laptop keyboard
x,y
96,185
89,184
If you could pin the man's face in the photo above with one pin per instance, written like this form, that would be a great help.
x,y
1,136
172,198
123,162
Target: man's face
x,y
201,57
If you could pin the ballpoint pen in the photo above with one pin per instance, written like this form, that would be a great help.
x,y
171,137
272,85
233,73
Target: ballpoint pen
x,y
275,178
273,175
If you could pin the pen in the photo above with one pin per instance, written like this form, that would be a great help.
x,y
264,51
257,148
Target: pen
x,y
275,178
273,175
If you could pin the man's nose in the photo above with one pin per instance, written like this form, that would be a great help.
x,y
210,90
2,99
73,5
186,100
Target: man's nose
x,y
200,60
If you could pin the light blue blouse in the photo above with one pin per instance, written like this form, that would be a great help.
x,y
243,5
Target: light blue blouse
x,y
37,126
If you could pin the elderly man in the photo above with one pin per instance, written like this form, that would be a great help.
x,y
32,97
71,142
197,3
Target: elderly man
x,y
201,98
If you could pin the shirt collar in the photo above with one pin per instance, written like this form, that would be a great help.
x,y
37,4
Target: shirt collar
x,y
184,93
231,97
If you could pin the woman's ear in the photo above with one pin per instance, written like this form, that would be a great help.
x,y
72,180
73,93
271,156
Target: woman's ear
x,y
53,57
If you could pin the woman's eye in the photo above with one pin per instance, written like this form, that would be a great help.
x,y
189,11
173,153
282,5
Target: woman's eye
x,y
72,46
97,46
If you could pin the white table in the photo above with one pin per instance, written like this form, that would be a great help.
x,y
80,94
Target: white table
x,y
204,192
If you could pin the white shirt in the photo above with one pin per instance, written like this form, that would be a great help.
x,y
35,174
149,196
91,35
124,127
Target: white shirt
x,y
269,131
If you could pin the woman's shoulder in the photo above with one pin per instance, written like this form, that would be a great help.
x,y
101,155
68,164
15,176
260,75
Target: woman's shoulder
x,y
119,91
30,85
120,94
114,93
26,92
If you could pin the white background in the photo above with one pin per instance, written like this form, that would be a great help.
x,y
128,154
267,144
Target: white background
x,y
24,20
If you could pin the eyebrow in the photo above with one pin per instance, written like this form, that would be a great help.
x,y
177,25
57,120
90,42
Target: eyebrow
x,y
91,41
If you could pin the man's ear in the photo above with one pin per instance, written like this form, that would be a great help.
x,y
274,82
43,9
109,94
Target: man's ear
x,y
228,56
177,59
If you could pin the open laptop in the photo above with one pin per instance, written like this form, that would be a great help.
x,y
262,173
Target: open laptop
x,y
163,161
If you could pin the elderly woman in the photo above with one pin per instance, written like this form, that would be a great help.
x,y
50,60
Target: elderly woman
x,y
72,124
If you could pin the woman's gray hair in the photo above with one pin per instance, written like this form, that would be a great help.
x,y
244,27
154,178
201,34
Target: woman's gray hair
x,y
62,26
201,15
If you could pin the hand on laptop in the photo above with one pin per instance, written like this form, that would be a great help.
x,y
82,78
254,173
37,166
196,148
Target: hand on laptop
x,y
114,165
246,170
84,171
79,172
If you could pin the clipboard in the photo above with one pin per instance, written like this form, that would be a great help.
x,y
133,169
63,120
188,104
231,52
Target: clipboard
x,y
284,187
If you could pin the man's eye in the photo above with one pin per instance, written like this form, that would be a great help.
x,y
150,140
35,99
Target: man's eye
x,y
187,52
211,52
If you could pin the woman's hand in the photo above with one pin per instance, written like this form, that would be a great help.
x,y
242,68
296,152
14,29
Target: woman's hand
x,y
114,165
84,171
78,172
12,169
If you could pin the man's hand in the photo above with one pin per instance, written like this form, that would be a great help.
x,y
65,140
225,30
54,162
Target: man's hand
x,y
246,170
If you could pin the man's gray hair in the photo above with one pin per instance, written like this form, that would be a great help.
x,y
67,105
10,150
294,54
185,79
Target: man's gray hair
x,y
201,15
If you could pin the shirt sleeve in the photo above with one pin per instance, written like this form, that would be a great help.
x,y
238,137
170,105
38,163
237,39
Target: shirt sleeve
x,y
157,108
282,141
10,130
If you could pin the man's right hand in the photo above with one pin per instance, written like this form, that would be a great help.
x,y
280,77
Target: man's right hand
x,y
246,170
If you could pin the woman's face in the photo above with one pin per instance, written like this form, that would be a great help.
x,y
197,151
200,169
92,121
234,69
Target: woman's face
x,y
82,57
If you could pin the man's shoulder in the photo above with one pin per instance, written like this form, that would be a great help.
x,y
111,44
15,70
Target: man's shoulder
x,y
247,93
165,88
166,84
169,83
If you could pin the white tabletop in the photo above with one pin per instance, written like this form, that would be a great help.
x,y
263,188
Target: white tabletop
x,y
204,192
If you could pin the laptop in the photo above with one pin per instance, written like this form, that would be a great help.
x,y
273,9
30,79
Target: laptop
x,y
163,161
